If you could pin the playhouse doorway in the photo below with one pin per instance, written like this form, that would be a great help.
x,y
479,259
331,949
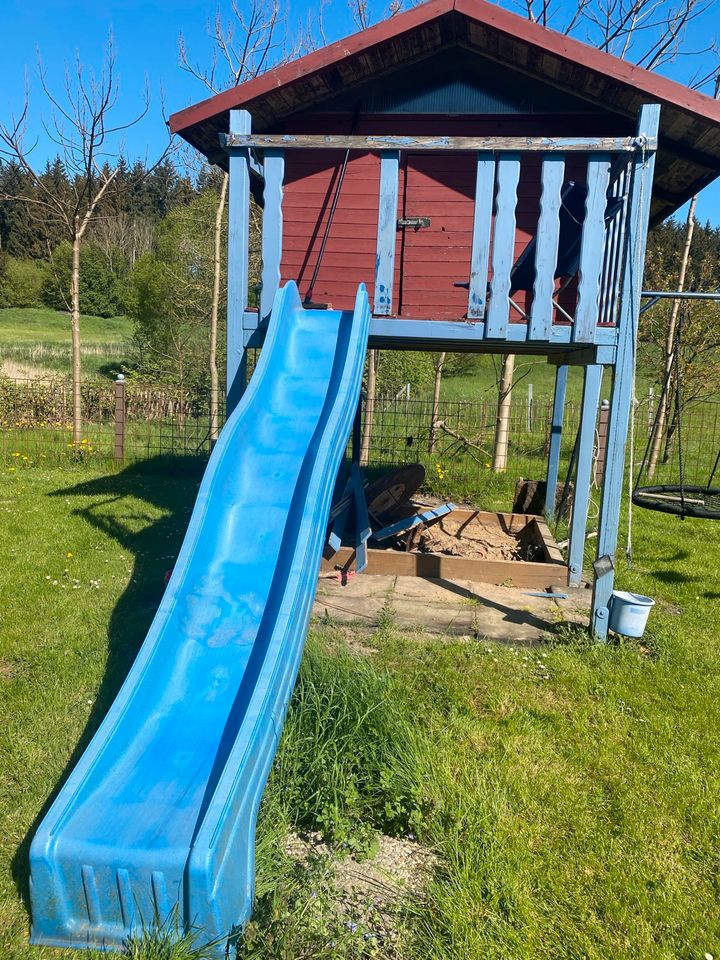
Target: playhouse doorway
x,y
436,223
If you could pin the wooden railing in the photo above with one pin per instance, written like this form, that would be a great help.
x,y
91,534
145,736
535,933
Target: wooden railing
x,y
580,306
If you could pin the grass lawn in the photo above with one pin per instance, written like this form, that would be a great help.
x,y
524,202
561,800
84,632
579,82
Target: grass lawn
x,y
570,791
36,341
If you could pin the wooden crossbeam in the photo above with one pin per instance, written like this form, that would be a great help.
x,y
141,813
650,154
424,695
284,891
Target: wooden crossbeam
x,y
292,141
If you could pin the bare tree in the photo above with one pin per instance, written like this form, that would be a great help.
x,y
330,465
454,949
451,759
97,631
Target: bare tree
x,y
131,235
648,32
84,129
502,423
243,46
435,414
669,348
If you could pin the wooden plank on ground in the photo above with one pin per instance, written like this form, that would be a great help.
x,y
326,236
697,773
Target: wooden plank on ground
x,y
431,566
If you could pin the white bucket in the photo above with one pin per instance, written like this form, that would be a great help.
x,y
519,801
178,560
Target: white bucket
x,y
629,613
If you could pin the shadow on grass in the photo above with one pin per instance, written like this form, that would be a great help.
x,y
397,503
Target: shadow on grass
x,y
673,576
166,483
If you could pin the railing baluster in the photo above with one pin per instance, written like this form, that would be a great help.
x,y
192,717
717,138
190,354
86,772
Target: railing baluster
x,y
386,232
546,251
482,223
272,229
591,249
503,256
613,248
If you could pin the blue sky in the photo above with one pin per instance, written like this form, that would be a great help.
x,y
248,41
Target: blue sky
x,y
146,40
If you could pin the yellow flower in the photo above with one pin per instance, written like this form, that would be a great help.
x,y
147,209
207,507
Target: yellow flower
x,y
11,469
16,454
83,441
69,555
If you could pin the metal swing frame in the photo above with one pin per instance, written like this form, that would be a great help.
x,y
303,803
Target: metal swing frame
x,y
681,500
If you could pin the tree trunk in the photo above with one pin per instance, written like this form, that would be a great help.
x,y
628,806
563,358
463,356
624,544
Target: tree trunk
x,y
502,424
436,401
369,407
217,274
75,327
670,347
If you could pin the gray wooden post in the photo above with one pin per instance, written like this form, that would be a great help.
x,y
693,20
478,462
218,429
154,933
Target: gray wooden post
x,y
272,229
602,435
621,396
238,260
120,416
561,378
586,444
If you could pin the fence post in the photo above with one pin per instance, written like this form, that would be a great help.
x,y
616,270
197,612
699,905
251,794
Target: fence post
x,y
530,409
120,416
602,434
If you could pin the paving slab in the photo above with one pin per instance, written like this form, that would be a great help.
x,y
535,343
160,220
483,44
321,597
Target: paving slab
x,y
454,608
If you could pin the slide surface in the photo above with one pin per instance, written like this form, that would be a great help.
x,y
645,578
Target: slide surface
x,y
160,812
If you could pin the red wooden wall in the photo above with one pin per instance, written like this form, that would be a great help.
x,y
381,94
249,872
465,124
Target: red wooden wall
x,y
429,262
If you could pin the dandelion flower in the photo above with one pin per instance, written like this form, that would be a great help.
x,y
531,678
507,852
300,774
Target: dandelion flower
x,y
68,555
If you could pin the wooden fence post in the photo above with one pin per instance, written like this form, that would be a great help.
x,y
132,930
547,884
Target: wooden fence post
x,y
120,416
602,434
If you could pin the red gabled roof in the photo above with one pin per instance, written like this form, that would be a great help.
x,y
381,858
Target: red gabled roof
x,y
690,124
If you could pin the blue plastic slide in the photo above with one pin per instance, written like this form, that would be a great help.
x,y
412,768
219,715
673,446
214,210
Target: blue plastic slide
x,y
160,812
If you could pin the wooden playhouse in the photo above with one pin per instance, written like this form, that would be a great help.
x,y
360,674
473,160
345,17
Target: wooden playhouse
x,y
489,180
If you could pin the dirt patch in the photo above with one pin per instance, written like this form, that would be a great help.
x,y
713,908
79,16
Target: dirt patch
x,y
7,670
398,870
473,539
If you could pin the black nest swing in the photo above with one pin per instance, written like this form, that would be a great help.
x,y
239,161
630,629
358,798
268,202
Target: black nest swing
x,y
681,499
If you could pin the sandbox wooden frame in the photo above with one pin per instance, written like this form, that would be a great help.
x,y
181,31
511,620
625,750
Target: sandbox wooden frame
x,y
551,572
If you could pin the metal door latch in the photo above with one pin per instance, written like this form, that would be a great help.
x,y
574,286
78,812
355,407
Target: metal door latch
x,y
415,222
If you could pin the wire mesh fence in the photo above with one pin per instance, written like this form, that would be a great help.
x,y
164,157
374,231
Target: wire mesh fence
x,y
454,442
689,446
36,420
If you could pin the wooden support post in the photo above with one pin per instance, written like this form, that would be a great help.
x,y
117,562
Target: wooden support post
x,y
602,435
272,229
386,232
586,445
363,530
238,261
120,416
621,396
553,468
